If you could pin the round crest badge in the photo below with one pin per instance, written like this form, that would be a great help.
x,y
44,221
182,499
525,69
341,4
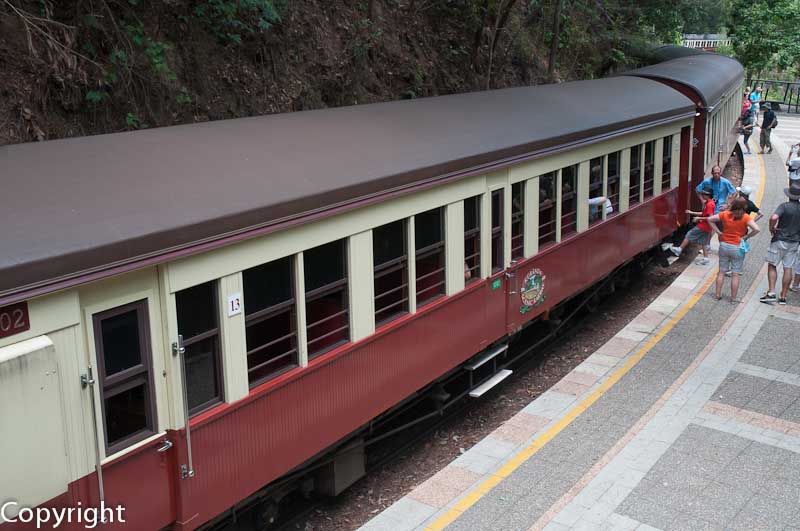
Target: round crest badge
x,y
532,291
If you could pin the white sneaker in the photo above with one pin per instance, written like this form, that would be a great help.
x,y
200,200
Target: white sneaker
x,y
676,250
702,261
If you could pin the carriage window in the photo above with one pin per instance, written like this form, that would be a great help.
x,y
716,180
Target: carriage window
x,y
390,262
429,245
327,315
596,205
270,320
635,175
497,231
122,341
517,220
198,323
472,239
569,180
612,188
666,164
649,168
547,209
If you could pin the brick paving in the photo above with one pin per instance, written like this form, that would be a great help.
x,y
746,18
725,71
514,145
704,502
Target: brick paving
x,y
689,418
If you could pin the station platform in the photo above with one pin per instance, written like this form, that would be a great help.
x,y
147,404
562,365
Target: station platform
x,y
689,418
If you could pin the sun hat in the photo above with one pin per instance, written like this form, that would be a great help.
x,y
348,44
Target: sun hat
x,y
745,190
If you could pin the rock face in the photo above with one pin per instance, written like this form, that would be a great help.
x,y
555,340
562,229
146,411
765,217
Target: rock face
x,y
72,68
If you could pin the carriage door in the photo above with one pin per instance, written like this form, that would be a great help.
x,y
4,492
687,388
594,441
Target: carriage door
x,y
123,383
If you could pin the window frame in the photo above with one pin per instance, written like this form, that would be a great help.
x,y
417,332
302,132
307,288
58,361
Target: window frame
x,y
518,221
439,247
666,163
602,187
635,191
340,285
270,312
388,267
617,179
497,260
215,333
648,186
128,378
554,201
574,213
473,234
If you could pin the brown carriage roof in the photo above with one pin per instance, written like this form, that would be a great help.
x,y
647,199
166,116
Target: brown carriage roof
x,y
74,208
710,75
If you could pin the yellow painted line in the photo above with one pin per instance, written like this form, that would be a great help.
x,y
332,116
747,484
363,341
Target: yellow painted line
x,y
523,455
763,170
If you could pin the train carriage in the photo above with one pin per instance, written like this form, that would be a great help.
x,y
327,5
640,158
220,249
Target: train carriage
x,y
281,281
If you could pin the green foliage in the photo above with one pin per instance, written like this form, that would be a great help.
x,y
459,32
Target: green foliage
x,y
155,51
231,20
183,97
134,122
765,34
96,96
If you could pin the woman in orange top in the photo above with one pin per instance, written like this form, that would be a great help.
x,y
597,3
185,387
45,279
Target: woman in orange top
x,y
735,225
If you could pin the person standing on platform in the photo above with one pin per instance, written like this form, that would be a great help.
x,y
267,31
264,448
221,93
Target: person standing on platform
x,y
793,164
755,99
768,123
744,192
784,225
737,227
700,233
721,188
748,123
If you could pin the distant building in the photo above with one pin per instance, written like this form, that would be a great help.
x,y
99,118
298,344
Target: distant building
x,y
708,42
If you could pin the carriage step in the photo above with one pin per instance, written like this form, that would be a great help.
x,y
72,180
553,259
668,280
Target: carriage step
x,y
489,356
491,382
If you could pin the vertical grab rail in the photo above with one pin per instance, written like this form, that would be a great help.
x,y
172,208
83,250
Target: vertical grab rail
x,y
187,471
87,380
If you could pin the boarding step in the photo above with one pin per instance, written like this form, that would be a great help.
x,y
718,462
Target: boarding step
x,y
671,258
491,382
489,356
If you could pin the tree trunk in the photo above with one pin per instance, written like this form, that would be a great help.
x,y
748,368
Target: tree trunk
x,y
556,34
503,12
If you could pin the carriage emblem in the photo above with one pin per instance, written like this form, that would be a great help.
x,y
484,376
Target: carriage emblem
x,y
532,291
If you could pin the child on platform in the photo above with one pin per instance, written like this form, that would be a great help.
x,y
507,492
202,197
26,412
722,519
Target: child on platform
x,y
700,233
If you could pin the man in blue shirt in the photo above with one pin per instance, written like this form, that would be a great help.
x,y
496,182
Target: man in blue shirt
x,y
720,186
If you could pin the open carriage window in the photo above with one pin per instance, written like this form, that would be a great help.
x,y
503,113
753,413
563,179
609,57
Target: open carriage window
x,y
198,323
612,187
635,175
596,206
472,239
547,209
429,245
666,164
390,262
497,231
569,194
327,305
649,168
270,320
517,220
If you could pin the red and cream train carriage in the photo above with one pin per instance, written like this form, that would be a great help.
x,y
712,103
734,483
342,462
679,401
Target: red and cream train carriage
x,y
281,281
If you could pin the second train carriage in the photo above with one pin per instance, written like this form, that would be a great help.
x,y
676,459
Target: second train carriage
x,y
281,281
